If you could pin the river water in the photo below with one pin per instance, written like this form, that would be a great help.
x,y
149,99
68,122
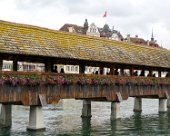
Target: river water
x,y
63,119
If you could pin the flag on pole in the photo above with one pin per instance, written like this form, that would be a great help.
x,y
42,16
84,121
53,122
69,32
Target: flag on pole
x,y
105,14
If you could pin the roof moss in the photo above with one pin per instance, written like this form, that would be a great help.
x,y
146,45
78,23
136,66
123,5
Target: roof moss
x,y
34,40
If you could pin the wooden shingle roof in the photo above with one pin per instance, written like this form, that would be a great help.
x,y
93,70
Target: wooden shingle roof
x,y
31,40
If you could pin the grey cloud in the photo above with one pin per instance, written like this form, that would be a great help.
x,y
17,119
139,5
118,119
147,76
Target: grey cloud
x,y
128,16
33,4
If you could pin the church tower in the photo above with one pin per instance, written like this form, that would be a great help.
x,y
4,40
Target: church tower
x,y
152,38
85,27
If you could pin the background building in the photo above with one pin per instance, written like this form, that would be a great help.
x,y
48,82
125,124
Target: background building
x,y
93,30
141,41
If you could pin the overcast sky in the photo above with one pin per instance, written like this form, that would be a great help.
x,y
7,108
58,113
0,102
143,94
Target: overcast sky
x,y
134,17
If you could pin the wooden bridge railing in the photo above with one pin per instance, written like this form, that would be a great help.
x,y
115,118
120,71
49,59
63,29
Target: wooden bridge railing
x,y
26,88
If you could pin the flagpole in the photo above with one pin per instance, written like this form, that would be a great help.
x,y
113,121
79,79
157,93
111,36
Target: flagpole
x,y
105,16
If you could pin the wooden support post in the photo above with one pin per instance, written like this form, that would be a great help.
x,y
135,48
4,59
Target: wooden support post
x,y
168,74
48,65
15,63
53,68
101,70
131,72
1,64
150,72
112,71
81,68
159,73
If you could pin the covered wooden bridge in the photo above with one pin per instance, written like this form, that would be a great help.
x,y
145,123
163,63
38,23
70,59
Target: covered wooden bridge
x,y
25,43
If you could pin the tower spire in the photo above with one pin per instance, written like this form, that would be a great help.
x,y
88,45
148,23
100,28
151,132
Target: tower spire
x,y
86,25
152,37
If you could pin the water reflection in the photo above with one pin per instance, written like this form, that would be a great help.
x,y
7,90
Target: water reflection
x,y
151,125
5,132
115,126
86,126
35,133
137,120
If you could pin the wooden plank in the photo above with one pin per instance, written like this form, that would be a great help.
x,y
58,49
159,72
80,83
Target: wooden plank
x,y
166,94
42,98
119,96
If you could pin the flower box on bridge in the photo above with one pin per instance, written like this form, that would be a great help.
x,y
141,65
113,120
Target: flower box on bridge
x,y
25,87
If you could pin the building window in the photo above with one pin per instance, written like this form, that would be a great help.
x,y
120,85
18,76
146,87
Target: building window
x,y
68,68
71,29
72,68
90,70
76,69
91,29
